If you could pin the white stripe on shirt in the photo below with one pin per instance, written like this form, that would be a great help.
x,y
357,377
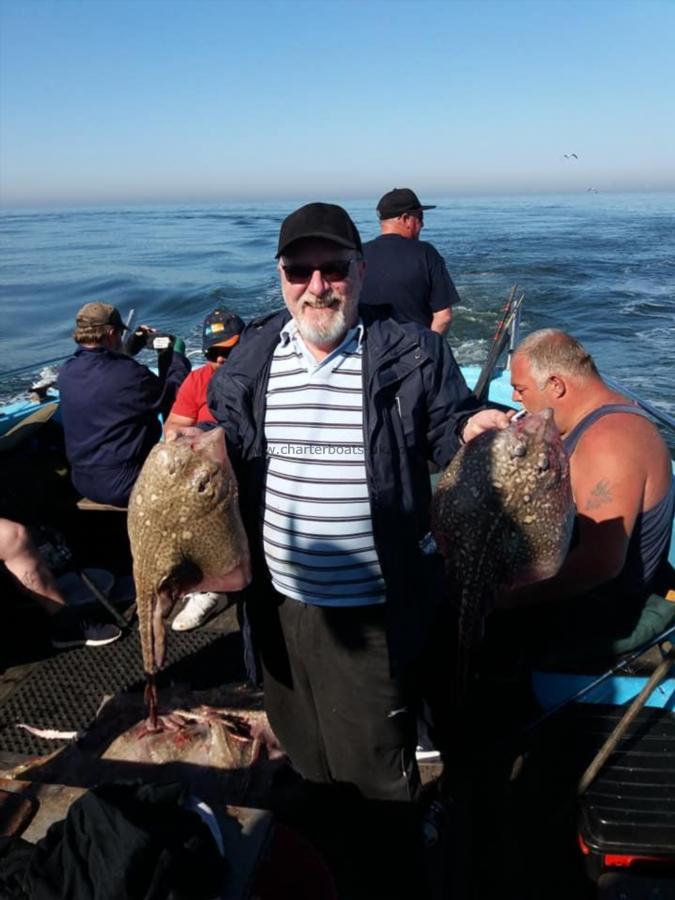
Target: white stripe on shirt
x,y
317,530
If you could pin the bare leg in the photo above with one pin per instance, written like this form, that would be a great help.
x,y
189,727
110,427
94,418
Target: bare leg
x,y
19,554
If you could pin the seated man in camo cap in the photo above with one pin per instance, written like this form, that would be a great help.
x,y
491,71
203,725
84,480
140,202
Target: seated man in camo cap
x,y
110,403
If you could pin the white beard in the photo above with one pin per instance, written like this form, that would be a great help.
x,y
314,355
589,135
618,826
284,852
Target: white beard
x,y
331,331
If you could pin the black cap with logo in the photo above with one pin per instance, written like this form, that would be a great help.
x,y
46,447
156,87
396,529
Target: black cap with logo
x,y
222,328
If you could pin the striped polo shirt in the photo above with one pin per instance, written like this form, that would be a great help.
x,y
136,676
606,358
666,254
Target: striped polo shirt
x,y
317,531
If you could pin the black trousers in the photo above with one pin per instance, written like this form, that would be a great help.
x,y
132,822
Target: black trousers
x,y
349,728
333,702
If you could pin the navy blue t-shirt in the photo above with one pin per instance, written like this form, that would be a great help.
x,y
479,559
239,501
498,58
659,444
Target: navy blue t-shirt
x,y
109,406
408,275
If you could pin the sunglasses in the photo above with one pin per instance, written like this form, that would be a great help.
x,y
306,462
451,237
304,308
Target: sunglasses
x,y
213,353
334,270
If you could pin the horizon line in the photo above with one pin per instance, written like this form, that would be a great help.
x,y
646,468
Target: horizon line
x,y
37,204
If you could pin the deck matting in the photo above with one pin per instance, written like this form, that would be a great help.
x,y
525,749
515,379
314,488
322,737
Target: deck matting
x,y
65,691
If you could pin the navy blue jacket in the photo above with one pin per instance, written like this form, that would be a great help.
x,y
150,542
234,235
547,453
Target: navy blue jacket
x,y
109,409
415,399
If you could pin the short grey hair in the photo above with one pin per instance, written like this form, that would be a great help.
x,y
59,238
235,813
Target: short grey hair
x,y
550,352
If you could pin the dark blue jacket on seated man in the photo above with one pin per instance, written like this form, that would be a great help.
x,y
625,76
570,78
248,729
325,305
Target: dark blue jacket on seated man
x,y
110,404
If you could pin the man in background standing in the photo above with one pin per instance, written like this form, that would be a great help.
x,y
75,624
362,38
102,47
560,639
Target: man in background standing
x,y
404,272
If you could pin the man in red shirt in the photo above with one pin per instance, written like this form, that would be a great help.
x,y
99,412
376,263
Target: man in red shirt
x,y
221,332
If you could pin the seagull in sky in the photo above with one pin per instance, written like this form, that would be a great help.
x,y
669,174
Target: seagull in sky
x,y
570,156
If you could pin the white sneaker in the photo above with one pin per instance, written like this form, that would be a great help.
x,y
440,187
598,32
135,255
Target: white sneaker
x,y
199,605
427,754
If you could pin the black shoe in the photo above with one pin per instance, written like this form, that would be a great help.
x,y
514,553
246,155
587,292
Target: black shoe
x,y
69,629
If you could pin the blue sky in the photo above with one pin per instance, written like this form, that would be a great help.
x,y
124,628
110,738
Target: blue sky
x,y
166,100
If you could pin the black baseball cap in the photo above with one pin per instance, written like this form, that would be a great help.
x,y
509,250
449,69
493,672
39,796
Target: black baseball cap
x,y
222,328
319,220
399,201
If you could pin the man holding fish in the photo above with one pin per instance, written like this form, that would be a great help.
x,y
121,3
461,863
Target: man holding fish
x,y
331,415
611,593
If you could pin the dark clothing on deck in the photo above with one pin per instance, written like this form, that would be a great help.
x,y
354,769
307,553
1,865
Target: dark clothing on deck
x,y
109,408
414,401
408,275
119,841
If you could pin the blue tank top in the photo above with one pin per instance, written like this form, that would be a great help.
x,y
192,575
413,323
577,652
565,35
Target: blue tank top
x,y
650,541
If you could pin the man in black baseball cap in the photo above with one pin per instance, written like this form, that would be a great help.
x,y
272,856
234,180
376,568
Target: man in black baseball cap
x,y
331,415
321,267
221,331
405,273
399,202
319,220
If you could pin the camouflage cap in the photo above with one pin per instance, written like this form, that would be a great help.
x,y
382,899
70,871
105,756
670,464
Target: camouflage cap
x,y
97,314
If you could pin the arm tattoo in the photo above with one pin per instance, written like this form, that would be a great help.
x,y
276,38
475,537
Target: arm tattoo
x,y
600,495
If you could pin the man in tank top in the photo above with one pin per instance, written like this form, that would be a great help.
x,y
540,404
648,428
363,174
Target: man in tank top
x,y
623,488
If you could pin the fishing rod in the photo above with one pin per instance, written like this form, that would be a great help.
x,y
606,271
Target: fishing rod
x,y
31,367
130,333
520,736
613,670
511,314
624,724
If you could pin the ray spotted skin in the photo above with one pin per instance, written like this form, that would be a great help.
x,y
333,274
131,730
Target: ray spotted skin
x,y
186,534
502,516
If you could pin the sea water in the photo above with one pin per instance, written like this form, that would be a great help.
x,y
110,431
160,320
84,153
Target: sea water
x,y
601,266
